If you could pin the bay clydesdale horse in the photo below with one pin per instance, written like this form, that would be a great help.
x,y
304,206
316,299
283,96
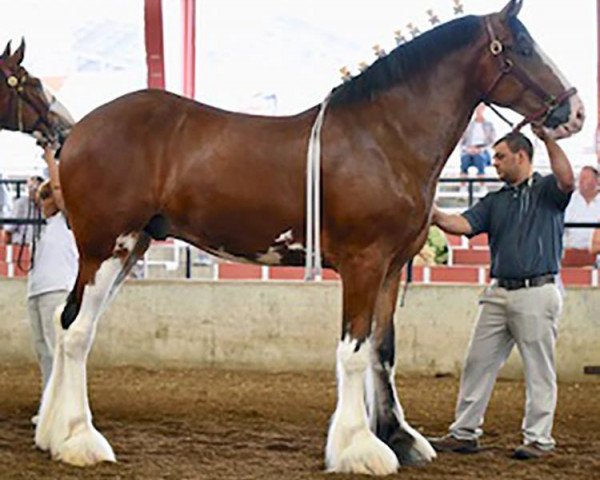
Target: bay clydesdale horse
x,y
152,164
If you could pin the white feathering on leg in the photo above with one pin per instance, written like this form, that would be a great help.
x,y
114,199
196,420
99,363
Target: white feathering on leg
x,y
65,425
351,446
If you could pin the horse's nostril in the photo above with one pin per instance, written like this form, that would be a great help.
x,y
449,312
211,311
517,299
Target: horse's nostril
x,y
580,114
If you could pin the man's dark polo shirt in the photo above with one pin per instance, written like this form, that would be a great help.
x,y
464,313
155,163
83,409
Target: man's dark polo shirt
x,y
525,226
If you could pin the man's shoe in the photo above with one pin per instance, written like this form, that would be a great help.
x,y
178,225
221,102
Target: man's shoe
x,y
530,451
448,443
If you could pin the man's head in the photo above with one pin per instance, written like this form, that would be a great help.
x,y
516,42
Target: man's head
x,y
46,199
513,155
588,182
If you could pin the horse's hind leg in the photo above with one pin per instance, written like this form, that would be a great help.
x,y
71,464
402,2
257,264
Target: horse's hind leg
x,y
386,414
65,425
351,446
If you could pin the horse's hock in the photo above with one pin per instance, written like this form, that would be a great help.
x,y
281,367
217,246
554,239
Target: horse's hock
x,y
279,326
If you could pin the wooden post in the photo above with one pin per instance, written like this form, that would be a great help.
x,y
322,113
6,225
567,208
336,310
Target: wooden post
x,y
189,47
595,369
598,83
155,58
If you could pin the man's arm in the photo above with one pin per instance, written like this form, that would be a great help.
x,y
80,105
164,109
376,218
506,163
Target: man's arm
x,y
54,180
559,163
454,224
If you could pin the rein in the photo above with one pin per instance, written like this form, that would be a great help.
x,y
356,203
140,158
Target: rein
x,y
508,67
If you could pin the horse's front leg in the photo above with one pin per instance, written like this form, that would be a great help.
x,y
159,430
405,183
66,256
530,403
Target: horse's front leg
x,y
351,446
385,412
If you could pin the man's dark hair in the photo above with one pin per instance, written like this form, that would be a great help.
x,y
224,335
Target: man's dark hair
x,y
591,169
517,141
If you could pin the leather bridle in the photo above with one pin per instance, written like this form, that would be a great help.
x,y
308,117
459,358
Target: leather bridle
x,y
508,67
17,85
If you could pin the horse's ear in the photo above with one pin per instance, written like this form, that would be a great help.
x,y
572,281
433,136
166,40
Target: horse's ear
x,y
512,9
17,57
6,53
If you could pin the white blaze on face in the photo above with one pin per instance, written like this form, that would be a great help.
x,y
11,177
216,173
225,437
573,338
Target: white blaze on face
x,y
552,66
577,116
57,108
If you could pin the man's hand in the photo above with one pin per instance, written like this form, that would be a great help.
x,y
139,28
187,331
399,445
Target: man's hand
x,y
541,132
559,163
435,215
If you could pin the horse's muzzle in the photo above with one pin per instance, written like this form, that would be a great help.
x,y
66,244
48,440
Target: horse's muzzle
x,y
567,119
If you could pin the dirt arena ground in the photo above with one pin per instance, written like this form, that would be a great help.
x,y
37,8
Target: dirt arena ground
x,y
207,424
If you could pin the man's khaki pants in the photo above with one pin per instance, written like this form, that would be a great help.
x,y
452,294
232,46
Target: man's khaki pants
x,y
41,316
527,317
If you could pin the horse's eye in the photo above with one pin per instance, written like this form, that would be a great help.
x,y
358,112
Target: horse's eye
x,y
524,45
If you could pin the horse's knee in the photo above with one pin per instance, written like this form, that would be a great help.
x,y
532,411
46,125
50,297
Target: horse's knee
x,y
77,342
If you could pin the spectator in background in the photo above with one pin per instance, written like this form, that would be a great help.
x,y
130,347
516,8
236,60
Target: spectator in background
x,y
5,200
54,269
475,144
24,207
584,207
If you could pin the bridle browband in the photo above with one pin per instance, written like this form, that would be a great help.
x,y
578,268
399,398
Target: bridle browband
x,y
18,85
508,67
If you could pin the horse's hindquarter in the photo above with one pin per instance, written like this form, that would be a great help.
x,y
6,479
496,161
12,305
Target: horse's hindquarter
x,y
222,180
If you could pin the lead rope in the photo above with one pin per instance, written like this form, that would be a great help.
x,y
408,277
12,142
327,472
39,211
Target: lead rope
x,y
33,213
502,117
313,269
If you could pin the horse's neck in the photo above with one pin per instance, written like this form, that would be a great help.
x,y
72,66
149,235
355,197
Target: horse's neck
x,y
427,115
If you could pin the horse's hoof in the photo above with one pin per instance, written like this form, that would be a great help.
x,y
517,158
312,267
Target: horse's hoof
x,y
86,447
411,448
366,455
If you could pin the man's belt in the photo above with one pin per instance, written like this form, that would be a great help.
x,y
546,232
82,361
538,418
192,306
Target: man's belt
x,y
515,284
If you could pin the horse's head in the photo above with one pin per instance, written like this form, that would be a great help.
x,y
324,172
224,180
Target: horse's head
x,y
24,103
517,74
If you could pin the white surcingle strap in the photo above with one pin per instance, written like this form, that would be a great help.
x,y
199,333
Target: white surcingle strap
x,y
314,266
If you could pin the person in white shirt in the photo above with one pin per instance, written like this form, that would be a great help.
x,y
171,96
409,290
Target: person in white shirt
x,y
24,207
54,269
476,143
5,199
584,207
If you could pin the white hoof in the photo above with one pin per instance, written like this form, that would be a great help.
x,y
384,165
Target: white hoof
x,y
85,447
365,454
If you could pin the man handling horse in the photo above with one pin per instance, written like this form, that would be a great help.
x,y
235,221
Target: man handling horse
x,y
525,223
